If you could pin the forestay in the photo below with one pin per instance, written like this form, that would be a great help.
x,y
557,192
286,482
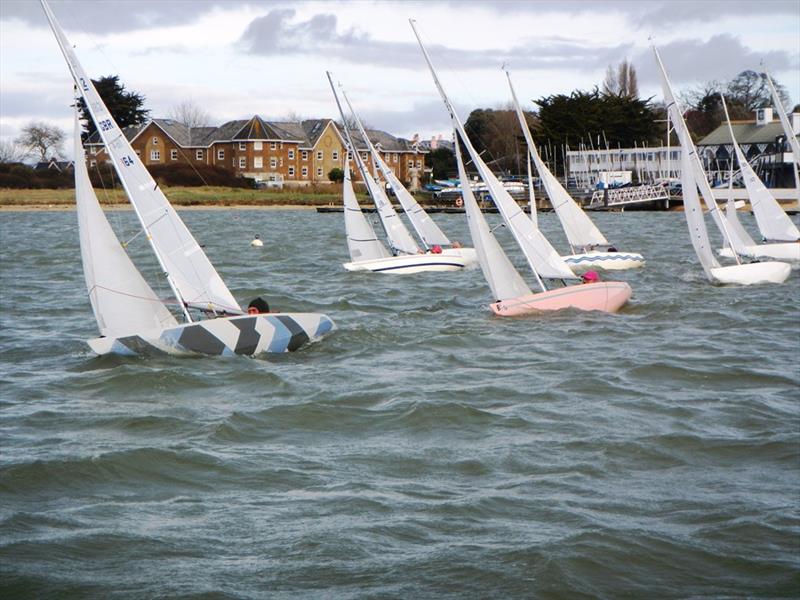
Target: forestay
x,y
773,222
541,256
503,279
362,242
121,299
191,275
581,232
694,218
688,148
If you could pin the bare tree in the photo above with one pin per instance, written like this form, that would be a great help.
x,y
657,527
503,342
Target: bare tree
x,y
40,139
190,114
750,89
11,152
621,81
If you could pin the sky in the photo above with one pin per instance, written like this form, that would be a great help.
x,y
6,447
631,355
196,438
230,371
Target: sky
x,y
239,58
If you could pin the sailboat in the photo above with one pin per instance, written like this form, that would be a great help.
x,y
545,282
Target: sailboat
x,y
590,248
776,227
693,177
513,296
131,318
367,253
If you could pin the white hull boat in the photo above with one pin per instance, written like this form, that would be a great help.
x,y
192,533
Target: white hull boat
x,y
607,261
752,273
451,259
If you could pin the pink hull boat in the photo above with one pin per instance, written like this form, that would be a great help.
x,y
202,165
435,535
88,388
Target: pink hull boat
x,y
607,296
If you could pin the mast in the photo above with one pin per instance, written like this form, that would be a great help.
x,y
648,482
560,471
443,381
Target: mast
x,y
85,86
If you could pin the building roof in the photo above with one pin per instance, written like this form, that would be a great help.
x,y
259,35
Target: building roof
x,y
745,132
306,133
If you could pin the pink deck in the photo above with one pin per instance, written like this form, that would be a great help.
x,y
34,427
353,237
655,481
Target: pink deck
x,y
606,296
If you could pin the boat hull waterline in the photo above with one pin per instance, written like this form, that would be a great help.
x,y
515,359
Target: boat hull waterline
x,y
247,335
451,259
752,273
607,296
608,261
789,251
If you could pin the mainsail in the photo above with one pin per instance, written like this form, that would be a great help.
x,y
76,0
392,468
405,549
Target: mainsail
x,y
122,301
688,148
773,222
541,256
583,235
362,242
191,275
694,218
426,229
503,279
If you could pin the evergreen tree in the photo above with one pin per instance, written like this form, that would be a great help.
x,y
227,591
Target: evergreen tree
x,y
126,107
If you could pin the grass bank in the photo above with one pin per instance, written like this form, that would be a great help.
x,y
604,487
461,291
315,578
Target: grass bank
x,y
184,196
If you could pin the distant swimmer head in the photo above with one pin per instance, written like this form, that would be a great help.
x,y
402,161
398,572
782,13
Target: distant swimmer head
x,y
590,277
257,241
257,306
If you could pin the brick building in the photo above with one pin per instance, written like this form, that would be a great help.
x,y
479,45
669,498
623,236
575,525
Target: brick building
x,y
290,153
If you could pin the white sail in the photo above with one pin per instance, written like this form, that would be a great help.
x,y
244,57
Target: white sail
x,y
734,225
694,218
583,235
541,256
688,147
122,301
531,195
773,222
189,272
787,127
426,229
503,279
362,242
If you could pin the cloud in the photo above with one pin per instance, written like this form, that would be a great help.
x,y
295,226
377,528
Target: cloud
x,y
720,58
277,34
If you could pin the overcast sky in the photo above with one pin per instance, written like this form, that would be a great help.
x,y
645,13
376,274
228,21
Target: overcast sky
x,y
239,58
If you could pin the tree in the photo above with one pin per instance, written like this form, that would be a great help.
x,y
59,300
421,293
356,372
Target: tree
x,y
443,162
125,107
621,81
750,89
496,134
336,175
190,114
42,140
11,152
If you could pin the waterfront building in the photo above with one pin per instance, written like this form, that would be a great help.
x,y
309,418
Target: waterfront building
x,y
270,152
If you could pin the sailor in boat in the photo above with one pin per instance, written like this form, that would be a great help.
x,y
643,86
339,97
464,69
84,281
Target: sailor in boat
x,y
257,306
257,243
590,277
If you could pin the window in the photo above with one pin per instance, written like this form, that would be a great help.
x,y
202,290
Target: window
x,y
155,155
349,155
273,163
242,145
138,153
258,162
320,155
221,154
258,146
304,172
365,155
394,157
92,163
419,164
242,162
335,155
291,171
173,154
198,155
93,150
273,145
304,154
290,154
319,171
411,164
155,141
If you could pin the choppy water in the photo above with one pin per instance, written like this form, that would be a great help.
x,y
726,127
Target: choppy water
x,y
425,449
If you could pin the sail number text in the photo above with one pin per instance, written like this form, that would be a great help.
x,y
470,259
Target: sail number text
x,y
127,161
106,125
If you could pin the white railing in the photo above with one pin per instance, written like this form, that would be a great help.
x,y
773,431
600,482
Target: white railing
x,y
629,195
